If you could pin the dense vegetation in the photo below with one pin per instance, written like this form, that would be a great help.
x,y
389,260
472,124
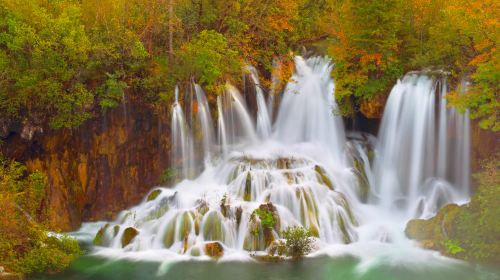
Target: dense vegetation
x,y
25,244
61,62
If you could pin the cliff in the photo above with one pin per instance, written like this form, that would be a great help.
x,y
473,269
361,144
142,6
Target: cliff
x,y
98,169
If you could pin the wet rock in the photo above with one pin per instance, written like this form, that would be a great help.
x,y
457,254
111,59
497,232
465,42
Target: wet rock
x,y
99,238
116,229
239,212
224,206
128,235
153,195
213,226
322,177
247,196
214,249
433,233
202,207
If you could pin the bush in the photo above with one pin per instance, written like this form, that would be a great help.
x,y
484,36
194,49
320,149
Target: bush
x,y
50,256
25,246
298,241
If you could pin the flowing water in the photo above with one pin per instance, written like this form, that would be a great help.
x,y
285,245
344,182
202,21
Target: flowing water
x,y
355,193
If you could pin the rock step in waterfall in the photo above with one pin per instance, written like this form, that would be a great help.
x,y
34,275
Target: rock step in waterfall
x,y
302,170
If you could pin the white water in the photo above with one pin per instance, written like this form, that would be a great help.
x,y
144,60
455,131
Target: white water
x,y
182,145
424,149
305,172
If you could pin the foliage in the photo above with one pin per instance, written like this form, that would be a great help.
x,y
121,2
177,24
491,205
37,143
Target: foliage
x,y
209,59
452,247
61,62
266,218
52,255
25,245
478,226
298,241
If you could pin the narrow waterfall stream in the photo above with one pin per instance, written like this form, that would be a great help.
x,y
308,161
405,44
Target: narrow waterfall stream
x,y
355,193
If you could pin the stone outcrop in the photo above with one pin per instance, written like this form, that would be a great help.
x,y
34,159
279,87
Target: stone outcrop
x,y
104,166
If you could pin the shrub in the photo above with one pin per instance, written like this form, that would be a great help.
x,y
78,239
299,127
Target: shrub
x,y
298,241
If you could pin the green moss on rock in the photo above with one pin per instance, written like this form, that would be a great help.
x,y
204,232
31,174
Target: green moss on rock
x,y
99,237
247,196
322,177
153,195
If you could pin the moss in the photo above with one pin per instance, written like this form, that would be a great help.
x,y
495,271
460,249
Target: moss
x,y
168,239
116,229
99,237
247,196
128,235
322,177
153,195
213,228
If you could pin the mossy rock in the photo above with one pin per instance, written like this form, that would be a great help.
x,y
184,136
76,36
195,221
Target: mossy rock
x,y
440,226
153,195
322,177
213,227
214,249
195,252
100,236
185,225
247,196
239,212
168,238
128,235
116,229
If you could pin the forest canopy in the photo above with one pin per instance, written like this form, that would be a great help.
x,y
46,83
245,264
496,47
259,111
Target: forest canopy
x,y
62,62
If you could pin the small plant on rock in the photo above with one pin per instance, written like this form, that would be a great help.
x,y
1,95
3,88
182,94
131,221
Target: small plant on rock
x,y
298,241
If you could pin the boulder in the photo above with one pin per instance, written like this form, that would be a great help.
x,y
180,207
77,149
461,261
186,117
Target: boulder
x,y
128,235
214,249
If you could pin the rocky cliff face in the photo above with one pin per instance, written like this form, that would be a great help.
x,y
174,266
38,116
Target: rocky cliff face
x,y
102,167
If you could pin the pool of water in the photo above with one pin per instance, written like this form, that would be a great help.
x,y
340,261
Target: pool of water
x,y
338,268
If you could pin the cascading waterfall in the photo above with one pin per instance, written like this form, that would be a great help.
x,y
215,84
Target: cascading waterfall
x,y
182,145
306,112
424,149
205,122
263,117
303,171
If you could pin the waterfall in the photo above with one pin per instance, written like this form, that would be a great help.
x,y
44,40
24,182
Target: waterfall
x,y
205,122
306,111
182,145
263,117
301,170
423,158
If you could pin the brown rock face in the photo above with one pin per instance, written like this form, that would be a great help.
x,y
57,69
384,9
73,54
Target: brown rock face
x,y
100,168
484,144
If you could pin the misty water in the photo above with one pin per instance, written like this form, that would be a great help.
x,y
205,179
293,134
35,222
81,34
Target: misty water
x,y
354,191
